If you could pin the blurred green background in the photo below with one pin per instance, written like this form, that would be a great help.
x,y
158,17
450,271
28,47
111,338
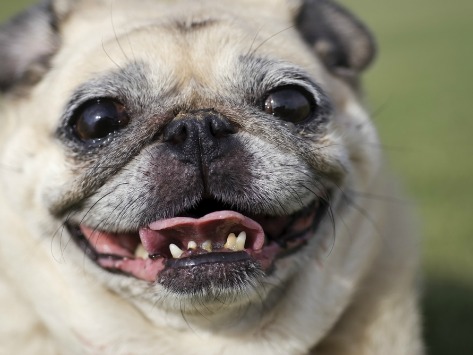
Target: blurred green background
x,y
421,94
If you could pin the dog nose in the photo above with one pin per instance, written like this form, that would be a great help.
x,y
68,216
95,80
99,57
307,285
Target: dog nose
x,y
201,135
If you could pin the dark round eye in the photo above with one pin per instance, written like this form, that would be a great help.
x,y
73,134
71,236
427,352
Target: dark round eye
x,y
290,104
99,118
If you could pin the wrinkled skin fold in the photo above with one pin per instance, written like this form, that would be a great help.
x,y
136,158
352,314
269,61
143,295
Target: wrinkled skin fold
x,y
197,177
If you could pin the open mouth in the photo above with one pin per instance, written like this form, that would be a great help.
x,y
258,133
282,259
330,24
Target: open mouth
x,y
208,236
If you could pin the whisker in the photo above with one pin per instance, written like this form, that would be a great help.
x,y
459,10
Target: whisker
x,y
254,40
115,31
270,38
109,57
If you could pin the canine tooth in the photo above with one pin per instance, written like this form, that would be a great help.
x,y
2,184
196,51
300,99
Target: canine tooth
x,y
175,251
240,241
231,241
207,245
192,245
141,252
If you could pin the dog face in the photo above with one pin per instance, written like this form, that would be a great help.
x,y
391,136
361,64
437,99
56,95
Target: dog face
x,y
191,157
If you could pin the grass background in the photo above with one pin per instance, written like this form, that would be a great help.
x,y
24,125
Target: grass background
x,y
421,93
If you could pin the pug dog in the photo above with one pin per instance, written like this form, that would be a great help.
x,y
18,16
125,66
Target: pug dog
x,y
197,177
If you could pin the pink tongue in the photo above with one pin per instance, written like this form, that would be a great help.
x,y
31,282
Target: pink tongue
x,y
215,227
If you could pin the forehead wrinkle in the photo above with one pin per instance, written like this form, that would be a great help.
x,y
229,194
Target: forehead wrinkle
x,y
196,59
203,57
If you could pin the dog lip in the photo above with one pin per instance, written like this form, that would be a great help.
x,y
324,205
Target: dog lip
x,y
269,238
207,258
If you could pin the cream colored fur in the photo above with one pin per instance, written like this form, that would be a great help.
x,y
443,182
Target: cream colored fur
x,y
353,294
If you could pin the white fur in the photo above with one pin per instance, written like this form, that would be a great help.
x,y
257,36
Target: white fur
x,y
349,292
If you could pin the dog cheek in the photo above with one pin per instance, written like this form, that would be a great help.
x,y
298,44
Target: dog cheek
x,y
23,163
359,137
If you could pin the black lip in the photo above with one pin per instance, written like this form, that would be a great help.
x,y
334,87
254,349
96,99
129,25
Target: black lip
x,y
284,238
208,258
82,242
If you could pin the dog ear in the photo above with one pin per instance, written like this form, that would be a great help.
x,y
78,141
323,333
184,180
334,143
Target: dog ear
x,y
27,43
343,43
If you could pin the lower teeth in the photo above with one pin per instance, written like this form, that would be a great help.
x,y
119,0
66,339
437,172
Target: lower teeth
x,y
235,243
141,252
175,251
207,245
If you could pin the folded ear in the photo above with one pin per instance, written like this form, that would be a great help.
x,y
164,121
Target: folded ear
x,y
344,44
27,43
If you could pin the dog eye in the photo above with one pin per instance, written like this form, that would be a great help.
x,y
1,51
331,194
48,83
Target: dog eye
x,y
290,104
100,118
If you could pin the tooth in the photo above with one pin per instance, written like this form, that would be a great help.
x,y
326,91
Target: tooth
x,y
207,245
141,252
231,241
175,251
240,241
192,245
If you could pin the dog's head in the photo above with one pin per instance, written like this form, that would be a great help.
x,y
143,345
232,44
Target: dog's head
x,y
190,156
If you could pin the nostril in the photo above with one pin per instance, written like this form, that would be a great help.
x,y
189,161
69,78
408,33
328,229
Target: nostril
x,y
220,128
198,134
176,133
